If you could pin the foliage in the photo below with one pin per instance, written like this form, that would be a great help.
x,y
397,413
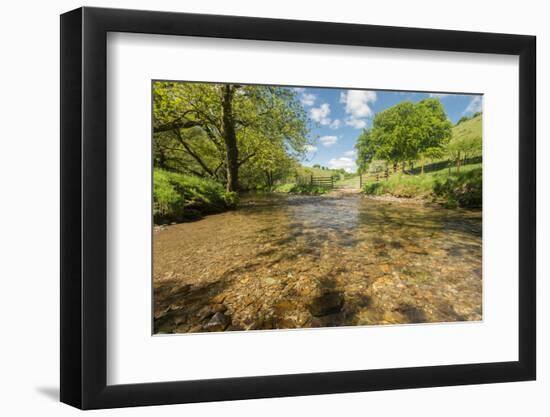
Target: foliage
x,y
292,188
231,199
376,167
180,197
463,189
467,139
374,188
462,119
404,133
228,132
401,185
303,171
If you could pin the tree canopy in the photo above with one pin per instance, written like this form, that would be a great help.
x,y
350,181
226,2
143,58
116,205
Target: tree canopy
x,y
405,132
222,131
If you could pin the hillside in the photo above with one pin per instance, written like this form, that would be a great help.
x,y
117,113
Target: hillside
x,y
317,172
469,131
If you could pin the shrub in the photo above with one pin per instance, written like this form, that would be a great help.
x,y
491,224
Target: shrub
x,y
179,197
231,199
373,188
284,188
292,188
461,190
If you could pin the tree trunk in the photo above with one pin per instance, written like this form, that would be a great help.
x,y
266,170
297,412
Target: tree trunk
x,y
269,178
403,166
161,161
230,139
458,163
422,165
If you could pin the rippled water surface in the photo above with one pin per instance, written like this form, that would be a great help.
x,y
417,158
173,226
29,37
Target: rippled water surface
x,y
301,261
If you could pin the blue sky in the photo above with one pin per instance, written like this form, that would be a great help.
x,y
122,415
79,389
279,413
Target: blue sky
x,y
339,115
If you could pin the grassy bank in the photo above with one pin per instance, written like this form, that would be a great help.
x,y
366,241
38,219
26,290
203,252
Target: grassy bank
x,y
454,189
292,188
179,197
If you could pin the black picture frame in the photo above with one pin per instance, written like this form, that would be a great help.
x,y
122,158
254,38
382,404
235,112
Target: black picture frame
x,y
84,207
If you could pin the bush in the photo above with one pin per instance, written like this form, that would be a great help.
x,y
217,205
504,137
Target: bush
x,y
401,185
373,188
179,197
284,188
292,188
461,190
231,199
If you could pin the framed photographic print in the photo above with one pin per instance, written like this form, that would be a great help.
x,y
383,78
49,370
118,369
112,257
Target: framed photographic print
x,y
257,208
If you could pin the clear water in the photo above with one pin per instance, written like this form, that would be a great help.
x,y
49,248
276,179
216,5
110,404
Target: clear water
x,y
284,261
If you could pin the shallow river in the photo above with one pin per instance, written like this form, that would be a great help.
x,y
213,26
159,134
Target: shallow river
x,y
301,261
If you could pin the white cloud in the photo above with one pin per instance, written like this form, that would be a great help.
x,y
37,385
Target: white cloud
x,y
474,105
356,123
308,99
311,148
299,89
357,102
343,162
357,105
335,124
320,114
438,95
350,153
328,140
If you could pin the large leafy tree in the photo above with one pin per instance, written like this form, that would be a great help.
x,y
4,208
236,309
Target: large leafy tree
x,y
215,129
405,132
435,130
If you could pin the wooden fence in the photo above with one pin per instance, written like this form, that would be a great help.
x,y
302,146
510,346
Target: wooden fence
x,y
319,181
327,182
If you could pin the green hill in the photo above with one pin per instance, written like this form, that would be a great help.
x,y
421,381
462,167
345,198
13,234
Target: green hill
x,y
469,134
317,172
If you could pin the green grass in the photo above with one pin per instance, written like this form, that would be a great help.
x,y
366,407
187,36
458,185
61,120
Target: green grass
x,y
452,189
304,171
461,190
349,182
292,188
442,185
179,197
470,129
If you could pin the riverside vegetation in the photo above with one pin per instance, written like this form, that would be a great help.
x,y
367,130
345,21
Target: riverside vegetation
x,y
452,176
245,239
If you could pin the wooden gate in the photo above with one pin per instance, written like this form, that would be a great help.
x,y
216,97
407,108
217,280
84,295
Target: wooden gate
x,y
327,182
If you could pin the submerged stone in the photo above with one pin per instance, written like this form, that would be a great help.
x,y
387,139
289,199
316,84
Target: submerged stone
x,y
328,303
218,322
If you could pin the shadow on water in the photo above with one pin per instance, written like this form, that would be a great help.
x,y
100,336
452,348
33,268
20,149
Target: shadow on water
x,y
177,304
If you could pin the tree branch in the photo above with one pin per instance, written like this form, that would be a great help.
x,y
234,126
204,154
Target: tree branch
x,y
247,158
176,125
192,153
